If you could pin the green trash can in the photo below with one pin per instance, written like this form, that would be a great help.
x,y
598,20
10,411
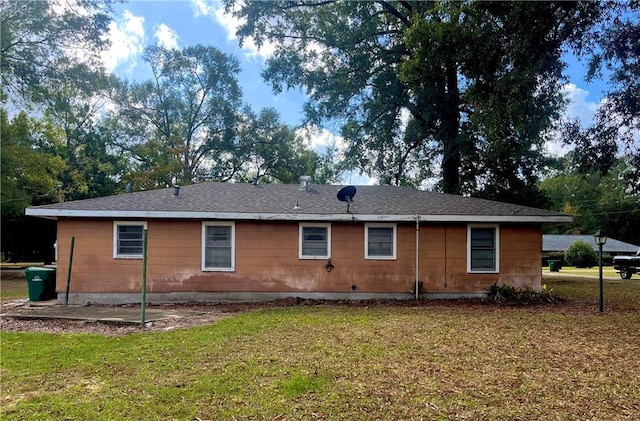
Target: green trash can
x,y
554,265
41,283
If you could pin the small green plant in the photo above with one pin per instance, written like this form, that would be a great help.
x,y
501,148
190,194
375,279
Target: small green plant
x,y
581,254
507,294
546,294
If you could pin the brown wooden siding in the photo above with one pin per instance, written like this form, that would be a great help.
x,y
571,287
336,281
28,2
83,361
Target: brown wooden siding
x,y
267,260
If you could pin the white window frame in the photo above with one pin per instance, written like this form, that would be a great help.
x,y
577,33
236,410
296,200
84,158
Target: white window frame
x,y
117,224
206,224
301,237
496,230
394,256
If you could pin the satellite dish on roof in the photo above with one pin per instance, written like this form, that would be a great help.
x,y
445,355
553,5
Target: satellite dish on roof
x,y
346,194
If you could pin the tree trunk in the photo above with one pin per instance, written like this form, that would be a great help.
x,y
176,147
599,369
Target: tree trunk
x,y
451,158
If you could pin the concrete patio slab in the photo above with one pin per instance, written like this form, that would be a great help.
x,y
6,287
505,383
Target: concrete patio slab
x,y
107,314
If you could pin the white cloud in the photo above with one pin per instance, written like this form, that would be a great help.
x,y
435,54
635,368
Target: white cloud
x,y
201,8
60,7
215,10
167,37
578,107
127,41
319,139
358,178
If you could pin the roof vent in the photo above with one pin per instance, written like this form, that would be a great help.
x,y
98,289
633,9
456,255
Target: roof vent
x,y
305,180
176,191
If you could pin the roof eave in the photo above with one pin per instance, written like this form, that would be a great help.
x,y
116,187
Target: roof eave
x,y
330,217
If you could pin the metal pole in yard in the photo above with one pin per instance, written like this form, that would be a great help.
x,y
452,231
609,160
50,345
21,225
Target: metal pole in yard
x,y
600,277
417,286
600,238
66,295
143,303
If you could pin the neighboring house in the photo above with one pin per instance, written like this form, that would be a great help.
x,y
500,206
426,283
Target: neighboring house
x,y
224,241
554,243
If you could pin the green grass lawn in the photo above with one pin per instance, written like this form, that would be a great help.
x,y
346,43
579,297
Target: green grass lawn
x,y
439,360
607,271
12,289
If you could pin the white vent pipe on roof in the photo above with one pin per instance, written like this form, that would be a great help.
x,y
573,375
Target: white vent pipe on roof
x,y
176,191
305,180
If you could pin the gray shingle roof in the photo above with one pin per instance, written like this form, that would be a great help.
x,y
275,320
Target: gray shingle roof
x,y
556,242
277,201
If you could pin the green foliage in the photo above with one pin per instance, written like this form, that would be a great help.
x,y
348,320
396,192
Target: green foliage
x,y
581,254
30,172
272,151
507,294
596,201
619,117
38,41
180,126
92,169
418,83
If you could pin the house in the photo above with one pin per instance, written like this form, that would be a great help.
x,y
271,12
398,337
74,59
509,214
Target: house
x,y
225,241
558,244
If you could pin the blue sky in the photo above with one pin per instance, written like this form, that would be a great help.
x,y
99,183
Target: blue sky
x,y
183,23
177,24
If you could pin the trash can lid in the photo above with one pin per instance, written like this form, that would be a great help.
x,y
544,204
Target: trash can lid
x,y
39,269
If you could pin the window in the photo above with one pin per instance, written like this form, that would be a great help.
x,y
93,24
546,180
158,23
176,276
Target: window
x,y
127,239
380,241
218,246
483,248
315,241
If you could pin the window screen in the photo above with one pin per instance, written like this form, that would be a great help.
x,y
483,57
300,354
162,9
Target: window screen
x,y
483,249
218,247
380,242
129,240
314,242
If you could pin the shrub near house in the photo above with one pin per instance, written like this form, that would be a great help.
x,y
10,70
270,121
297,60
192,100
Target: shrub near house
x,y
581,254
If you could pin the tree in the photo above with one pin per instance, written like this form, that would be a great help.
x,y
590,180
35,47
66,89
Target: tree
x,y
180,126
473,84
43,42
92,167
30,173
595,147
29,176
614,48
274,152
581,254
596,201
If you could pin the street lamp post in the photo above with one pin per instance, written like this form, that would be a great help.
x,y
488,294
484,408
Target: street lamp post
x,y
600,238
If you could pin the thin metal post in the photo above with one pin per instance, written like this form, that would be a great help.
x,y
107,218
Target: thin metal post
x,y
143,304
66,295
417,256
601,286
